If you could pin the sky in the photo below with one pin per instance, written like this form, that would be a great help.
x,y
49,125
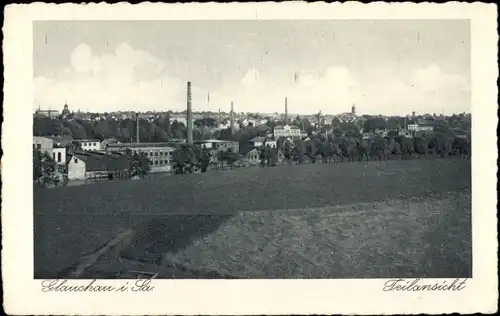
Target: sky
x,y
389,67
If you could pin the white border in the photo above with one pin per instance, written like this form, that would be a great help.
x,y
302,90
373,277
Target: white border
x,y
23,294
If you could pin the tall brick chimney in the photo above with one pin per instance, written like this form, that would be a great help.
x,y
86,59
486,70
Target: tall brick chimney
x,y
286,111
137,118
189,115
232,118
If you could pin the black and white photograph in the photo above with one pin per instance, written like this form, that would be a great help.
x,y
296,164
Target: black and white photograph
x,y
240,149
252,149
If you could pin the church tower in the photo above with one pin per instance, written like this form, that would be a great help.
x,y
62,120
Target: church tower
x,y
353,110
65,111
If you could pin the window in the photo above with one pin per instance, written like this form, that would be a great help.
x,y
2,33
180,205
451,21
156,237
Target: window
x,y
161,153
39,146
58,157
34,146
156,153
151,154
53,156
76,160
156,162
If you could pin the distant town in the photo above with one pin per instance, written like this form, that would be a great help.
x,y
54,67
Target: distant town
x,y
102,145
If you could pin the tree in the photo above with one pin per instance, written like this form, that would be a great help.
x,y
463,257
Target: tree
x,y
139,165
297,122
375,123
178,130
44,126
395,122
268,156
298,151
74,146
44,169
306,126
442,127
77,130
206,122
311,150
203,158
184,159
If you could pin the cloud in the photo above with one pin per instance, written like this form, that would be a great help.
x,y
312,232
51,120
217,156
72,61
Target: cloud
x,y
133,79
127,79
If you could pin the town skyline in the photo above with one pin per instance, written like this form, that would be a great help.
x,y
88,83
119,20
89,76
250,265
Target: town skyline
x,y
386,67
228,111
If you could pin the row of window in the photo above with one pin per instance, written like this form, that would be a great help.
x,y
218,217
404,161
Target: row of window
x,y
156,153
89,144
160,162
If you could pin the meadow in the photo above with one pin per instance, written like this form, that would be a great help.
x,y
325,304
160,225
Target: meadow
x,y
353,220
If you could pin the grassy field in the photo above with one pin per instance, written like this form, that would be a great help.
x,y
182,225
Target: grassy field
x,y
414,238
376,219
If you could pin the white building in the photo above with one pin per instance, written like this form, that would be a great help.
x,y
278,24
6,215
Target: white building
x,y
45,144
59,155
271,143
413,127
223,145
159,154
89,144
257,141
286,131
92,165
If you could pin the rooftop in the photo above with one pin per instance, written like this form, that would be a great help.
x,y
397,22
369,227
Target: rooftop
x,y
95,161
140,145
213,141
283,126
86,140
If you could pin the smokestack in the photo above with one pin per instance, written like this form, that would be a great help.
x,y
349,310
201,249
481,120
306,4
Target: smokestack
x,y
286,110
137,117
232,118
319,122
189,114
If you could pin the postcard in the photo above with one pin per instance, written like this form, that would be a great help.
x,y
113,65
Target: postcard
x,y
249,159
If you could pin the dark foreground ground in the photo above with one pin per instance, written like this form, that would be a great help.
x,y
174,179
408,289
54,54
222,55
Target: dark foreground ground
x,y
170,212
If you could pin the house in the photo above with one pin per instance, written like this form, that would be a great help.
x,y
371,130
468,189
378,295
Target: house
x,y
92,165
252,156
59,155
286,131
89,144
413,127
47,113
44,144
271,143
348,116
54,149
257,141
224,145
